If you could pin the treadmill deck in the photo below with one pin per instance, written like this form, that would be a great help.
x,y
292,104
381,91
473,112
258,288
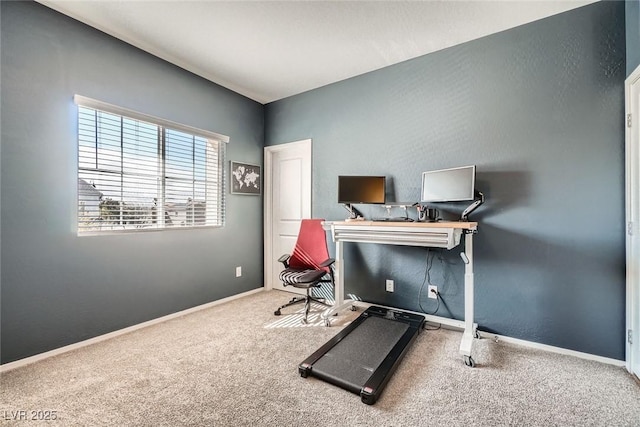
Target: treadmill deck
x,y
362,357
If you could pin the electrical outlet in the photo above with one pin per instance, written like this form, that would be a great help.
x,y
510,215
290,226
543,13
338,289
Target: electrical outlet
x,y
433,291
238,271
389,285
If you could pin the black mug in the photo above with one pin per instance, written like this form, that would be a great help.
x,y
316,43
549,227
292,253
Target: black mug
x,y
428,214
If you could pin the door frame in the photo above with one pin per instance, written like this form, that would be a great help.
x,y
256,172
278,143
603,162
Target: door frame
x,y
269,153
632,224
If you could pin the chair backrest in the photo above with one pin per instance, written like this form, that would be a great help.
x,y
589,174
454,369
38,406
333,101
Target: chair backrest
x,y
311,247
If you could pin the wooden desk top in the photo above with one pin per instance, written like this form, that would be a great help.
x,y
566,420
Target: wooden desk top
x,y
408,224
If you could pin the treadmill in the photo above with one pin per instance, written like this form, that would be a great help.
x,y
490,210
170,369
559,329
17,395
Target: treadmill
x,y
362,357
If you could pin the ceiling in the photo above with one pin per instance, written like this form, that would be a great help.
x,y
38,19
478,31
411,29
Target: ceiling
x,y
269,50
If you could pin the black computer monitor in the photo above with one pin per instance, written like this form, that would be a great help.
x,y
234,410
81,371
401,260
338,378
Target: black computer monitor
x,y
361,189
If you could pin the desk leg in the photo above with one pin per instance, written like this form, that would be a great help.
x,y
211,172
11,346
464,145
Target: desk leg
x,y
469,333
340,303
339,291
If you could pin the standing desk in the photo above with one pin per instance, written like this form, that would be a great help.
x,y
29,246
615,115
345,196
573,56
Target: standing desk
x,y
425,234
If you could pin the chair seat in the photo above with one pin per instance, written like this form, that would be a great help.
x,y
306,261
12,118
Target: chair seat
x,y
301,278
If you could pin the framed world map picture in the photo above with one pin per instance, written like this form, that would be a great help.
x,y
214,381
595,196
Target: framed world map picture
x,y
245,178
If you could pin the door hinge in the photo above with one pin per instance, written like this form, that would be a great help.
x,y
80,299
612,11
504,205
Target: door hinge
x,y
630,228
629,120
629,334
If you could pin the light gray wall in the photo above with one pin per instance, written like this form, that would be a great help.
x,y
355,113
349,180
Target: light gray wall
x,y
539,110
633,34
58,288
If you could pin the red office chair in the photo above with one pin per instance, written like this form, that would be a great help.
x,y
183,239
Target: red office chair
x,y
309,266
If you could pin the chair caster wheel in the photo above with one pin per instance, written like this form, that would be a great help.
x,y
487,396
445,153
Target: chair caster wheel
x,y
468,360
327,322
277,313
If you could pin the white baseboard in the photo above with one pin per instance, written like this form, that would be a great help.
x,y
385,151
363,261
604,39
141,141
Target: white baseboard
x,y
459,325
38,357
552,349
530,344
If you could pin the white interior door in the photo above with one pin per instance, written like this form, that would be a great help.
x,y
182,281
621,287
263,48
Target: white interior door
x,y
632,94
287,201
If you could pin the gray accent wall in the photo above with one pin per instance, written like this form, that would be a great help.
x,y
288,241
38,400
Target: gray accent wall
x,y
58,288
539,109
633,34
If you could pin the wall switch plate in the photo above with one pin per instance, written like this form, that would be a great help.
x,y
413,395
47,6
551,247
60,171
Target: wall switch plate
x,y
433,292
238,271
389,285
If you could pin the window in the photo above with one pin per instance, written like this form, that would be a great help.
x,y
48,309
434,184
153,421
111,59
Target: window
x,y
137,172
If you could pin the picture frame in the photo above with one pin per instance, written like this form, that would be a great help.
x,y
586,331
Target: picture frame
x,y
245,178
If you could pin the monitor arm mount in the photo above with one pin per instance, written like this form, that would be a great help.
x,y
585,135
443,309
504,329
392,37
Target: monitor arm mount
x,y
479,199
354,213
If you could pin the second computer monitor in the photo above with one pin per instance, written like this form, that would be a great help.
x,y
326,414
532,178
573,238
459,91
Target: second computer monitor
x,y
448,185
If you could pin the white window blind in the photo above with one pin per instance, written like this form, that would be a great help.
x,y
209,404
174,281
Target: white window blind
x,y
137,172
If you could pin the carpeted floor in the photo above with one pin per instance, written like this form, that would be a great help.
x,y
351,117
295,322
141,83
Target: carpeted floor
x,y
236,365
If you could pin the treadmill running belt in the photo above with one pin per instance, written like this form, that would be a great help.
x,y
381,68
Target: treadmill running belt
x,y
353,359
362,357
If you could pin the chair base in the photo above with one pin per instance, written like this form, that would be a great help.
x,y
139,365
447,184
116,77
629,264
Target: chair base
x,y
307,305
294,300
